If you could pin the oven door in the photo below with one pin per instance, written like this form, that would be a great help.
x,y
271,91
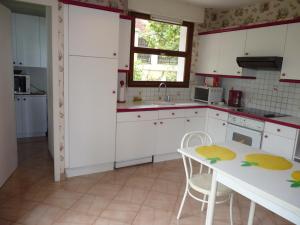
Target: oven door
x,y
243,135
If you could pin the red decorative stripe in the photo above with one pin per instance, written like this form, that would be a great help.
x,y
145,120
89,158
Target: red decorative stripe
x,y
123,71
121,110
93,6
225,76
290,81
246,27
126,17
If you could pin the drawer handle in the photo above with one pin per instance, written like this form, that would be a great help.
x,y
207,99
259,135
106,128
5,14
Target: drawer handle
x,y
139,116
173,114
224,124
196,112
161,122
214,71
187,120
217,114
278,130
155,123
283,75
247,53
266,136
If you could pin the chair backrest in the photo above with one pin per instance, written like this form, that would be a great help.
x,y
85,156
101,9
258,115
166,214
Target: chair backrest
x,y
204,139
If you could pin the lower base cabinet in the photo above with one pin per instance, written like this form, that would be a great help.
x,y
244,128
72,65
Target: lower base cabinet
x,y
216,129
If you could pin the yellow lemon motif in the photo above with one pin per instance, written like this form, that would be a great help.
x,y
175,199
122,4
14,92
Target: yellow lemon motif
x,y
267,161
295,183
215,153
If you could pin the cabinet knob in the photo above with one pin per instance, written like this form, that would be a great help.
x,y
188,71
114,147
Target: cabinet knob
x,y
114,92
173,114
18,99
21,63
217,114
161,122
238,72
214,71
14,62
187,120
224,124
115,54
139,116
278,130
283,74
24,99
126,66
155,123
246,53
196,112
266,136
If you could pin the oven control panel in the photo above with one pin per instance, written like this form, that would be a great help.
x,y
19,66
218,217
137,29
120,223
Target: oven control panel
x,y
246,122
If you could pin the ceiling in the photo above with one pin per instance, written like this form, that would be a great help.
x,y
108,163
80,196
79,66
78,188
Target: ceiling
x,y
25,8
222,4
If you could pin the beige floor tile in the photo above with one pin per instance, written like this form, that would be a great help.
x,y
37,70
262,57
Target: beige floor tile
x,y
101,221
121,211
71,217
132,195
37,193
62,198
41,215
148,170
78,184
151,216
160,200
172,176
140,182
166,186
105,190
188,220
91,205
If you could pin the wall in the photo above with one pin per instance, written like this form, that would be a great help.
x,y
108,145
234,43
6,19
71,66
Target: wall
x,y
8,140
266,92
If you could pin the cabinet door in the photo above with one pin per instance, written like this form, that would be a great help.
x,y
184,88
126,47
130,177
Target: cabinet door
x,y
43,42
14,39
194,124
28,41
278,145
170,133
232,46
92,110
124,44
208,50
93,32
266,41
216,129
19,114
291,65
135,140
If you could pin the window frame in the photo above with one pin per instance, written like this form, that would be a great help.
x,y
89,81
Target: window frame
x,y
187,55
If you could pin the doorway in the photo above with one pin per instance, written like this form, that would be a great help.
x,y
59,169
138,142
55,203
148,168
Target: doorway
x,y
35,83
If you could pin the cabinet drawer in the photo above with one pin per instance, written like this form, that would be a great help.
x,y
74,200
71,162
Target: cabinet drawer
x,y
217,114
137,116
279,130
166,114
195,112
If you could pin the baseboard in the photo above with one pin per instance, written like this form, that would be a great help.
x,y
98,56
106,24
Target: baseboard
x,y
133,162
166,157
73,172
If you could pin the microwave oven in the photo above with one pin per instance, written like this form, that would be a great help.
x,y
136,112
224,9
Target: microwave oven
x,y
22,84
207,94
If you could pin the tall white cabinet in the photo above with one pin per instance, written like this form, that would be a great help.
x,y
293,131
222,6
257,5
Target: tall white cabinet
x,y
92,67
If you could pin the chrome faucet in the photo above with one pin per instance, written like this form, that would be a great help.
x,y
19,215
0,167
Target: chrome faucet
x,y
167,98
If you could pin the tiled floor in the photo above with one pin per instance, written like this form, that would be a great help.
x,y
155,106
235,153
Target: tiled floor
x,y
141,195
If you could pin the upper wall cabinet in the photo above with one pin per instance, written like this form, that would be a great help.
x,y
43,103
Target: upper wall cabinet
x,y
266,41
124,44
291,65
29,40
209,51
87,27
232,45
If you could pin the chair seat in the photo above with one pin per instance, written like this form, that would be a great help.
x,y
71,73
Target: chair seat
x,y
202,184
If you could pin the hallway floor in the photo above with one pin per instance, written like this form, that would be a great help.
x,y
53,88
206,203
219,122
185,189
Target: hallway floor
x,y
140,195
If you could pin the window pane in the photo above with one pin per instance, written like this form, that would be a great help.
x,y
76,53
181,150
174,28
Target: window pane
x,y
159,35
149,67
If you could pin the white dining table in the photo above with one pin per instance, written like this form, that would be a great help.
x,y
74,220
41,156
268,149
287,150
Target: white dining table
x,y
268,188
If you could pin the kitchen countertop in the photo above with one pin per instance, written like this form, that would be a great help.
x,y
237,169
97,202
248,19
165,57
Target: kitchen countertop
x,y
290,121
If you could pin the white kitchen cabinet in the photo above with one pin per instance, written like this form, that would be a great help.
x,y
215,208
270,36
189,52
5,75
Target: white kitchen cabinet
x,y
232,45
124,44
31,115
291,65
209,52
135,140
43,42
93,32
92,110
195,124
266,41
216,129
278,145
27,40
170,132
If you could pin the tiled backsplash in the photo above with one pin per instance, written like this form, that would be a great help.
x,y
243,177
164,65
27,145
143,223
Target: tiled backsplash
x,y
266,92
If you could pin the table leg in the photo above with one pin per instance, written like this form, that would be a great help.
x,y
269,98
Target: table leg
x,y
251,213
211,200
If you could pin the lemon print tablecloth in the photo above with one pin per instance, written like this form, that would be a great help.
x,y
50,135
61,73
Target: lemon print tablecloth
x,y
215,153
267,161
295,182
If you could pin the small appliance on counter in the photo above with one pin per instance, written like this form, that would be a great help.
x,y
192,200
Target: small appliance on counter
x,y
22,84
207,94
235,98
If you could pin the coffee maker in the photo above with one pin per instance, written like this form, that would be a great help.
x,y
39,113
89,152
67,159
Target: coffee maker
x,y
235,98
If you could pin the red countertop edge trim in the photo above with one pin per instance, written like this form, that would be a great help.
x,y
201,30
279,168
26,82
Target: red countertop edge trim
x,y
122,71
120,110
225,76
289,81
252,26
126,17
93,6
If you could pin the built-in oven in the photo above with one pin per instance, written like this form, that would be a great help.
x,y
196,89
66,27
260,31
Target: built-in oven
x,y
245,131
